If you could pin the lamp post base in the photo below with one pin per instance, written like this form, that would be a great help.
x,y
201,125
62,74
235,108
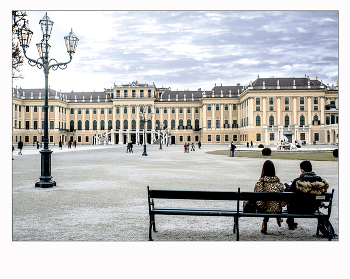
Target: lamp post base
x,y
45,178
144,150
45,184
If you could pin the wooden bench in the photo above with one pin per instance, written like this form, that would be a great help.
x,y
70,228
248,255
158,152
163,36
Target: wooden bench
x,y
236,211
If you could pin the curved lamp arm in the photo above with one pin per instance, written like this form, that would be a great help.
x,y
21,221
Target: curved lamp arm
x,y
32,62
61,66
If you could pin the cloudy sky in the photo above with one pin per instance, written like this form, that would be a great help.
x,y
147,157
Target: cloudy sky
x,y
185,49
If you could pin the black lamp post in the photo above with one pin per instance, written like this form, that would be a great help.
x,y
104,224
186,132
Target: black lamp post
x,y
143,120
43,62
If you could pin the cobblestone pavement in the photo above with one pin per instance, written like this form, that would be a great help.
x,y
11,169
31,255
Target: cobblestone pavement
x,y
101,194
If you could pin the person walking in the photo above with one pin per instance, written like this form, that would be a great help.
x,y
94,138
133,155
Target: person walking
x,y
251,144
75,144
69,144
199,145
185,147
269,182
20,147
37,145
60,145
233,147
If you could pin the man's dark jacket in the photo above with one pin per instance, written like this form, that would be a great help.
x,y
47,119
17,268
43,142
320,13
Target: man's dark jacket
x,y
307,183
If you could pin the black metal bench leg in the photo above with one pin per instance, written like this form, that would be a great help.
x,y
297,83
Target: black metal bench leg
x,y
154,224
150,230
235,228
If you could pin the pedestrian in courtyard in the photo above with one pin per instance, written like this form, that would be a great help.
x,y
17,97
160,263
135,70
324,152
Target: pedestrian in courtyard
x,y
68,144
251,144
75,144
12,151
20,147
193,147
185,146
309,183
199,145
232,149
269,182
60,145
37,145
248,144
131,146
188,147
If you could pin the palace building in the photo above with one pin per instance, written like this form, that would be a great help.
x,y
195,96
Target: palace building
x,y
264,111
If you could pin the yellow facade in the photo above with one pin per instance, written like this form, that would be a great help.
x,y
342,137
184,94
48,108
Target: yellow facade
x,y
265,111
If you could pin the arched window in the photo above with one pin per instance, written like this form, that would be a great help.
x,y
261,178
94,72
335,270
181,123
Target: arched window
x,y
286,120
87,125
133,124
149,125
71,126
157,124
109,124
94,125
257,120
102,125
125,126
142,125
302,120
271,121
188,122
117,125
79,125
165,123
315,120
173,124
181,122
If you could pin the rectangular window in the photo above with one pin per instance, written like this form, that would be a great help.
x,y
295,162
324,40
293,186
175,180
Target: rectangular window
x,y
165,110
79,110
257,101
26,139
302,108
51,124
109,110
87,111
271,108
27,108
258,137
79,138
118,93
209,138
172,110
226,137
149,94
125,93
35,125
209,107
94,110
258,108
226,106
125,109
217,137
286,100
188,109
234,107
302,136
141,94
315,100
181,138
27,125
234,138
286,108
180,110
157,110
133,93
217,107
196,110
271,100
35,108
209,123
51,138
86,138
272,136
301,100
317,136
217,123
72,111
51,108
117,110
315,107
35,139
102,111
149,109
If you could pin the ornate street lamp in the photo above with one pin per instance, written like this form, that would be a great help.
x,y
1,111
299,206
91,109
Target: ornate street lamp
x,y
43,62
144,120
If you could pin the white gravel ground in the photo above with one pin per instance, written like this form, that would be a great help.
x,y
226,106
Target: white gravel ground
x,y
101,195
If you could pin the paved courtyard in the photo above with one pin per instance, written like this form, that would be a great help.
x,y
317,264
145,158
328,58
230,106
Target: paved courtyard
x,y
101,194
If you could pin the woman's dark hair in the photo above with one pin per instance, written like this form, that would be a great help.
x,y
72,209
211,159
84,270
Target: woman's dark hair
x,y
268,169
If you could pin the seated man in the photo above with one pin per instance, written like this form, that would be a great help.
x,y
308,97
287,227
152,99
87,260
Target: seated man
x,y
308,182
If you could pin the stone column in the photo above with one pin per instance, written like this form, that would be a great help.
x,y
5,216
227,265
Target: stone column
x,y
309,110
278,99
322,110
31,122
264,120
295,109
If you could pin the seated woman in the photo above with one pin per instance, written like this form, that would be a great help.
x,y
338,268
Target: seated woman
x,y
269,182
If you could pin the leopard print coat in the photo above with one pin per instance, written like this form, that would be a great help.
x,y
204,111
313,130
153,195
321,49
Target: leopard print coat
x,y
269,184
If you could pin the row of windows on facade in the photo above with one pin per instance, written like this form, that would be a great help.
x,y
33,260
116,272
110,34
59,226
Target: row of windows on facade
x,y
227,138
133,94
332,119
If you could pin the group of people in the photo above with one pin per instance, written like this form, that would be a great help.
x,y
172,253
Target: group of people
x,y
269,182
129,147
251,144
187,147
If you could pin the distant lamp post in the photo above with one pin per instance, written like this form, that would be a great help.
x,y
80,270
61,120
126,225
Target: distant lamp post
x,y
43,62
144,120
